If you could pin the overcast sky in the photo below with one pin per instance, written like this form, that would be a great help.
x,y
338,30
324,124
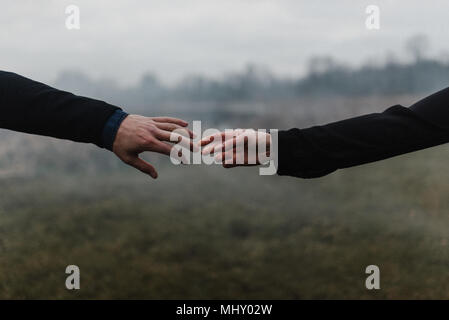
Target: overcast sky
x,y
121,39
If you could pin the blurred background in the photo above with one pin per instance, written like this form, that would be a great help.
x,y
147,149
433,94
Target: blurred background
x,y
203,231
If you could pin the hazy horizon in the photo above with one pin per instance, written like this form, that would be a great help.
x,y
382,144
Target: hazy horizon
x,y
121,40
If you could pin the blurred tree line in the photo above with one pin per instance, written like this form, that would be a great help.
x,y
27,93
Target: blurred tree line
x,y
325,76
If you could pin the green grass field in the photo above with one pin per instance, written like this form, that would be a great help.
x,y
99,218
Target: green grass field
x,y
207,232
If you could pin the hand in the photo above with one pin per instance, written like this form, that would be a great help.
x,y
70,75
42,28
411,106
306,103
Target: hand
x,y
240,147
137,134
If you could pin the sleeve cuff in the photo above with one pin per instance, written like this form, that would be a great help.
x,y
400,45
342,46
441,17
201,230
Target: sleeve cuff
x,y
111,127
299,157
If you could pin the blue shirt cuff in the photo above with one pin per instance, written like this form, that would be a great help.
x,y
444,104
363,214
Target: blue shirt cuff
x,y
111,127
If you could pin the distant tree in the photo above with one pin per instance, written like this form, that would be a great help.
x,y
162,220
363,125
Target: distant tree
x,y
150,81
417,46
320,64
75,81
150,88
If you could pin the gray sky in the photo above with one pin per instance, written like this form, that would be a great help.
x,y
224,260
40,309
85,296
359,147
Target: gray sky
x,y
121,39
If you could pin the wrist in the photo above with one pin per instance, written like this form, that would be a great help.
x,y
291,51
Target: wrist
x,y
111,127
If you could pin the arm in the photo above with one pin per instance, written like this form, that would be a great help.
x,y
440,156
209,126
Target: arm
x,y
319,150
33,107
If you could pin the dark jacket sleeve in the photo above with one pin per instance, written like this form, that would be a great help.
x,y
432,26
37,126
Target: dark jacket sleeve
x,y
33,107
320,150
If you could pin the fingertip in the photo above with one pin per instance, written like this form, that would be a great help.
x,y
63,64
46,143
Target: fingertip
x,y
209,150
206,152
153,174
207,140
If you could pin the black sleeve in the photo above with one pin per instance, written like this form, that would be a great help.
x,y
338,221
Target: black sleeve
x,y
320,150
33,107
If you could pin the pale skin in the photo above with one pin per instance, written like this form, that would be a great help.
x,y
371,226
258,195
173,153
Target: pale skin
x,y
223,145
137,134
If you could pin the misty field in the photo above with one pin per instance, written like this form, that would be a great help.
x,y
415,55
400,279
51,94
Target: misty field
x,y
204,232
207,232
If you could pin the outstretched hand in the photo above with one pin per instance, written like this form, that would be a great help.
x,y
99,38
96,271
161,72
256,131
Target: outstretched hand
x,y
240,147
137,134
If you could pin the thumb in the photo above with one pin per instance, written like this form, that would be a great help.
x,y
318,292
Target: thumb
x,y
143,166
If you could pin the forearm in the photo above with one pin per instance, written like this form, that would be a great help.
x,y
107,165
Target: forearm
x,y
33,107
320,150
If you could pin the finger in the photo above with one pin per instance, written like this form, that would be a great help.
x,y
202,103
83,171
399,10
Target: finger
x,y
143,166
214,143
225,137
210,148
224,146
220,136
172,126
235,164
228,166
231,158
176,138
209,139
166,148
180,122
242,139
206,141
223,157
161,147
183,157
228,159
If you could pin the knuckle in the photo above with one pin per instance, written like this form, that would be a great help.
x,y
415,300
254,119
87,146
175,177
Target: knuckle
x,y
149,141
152,128
142,131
